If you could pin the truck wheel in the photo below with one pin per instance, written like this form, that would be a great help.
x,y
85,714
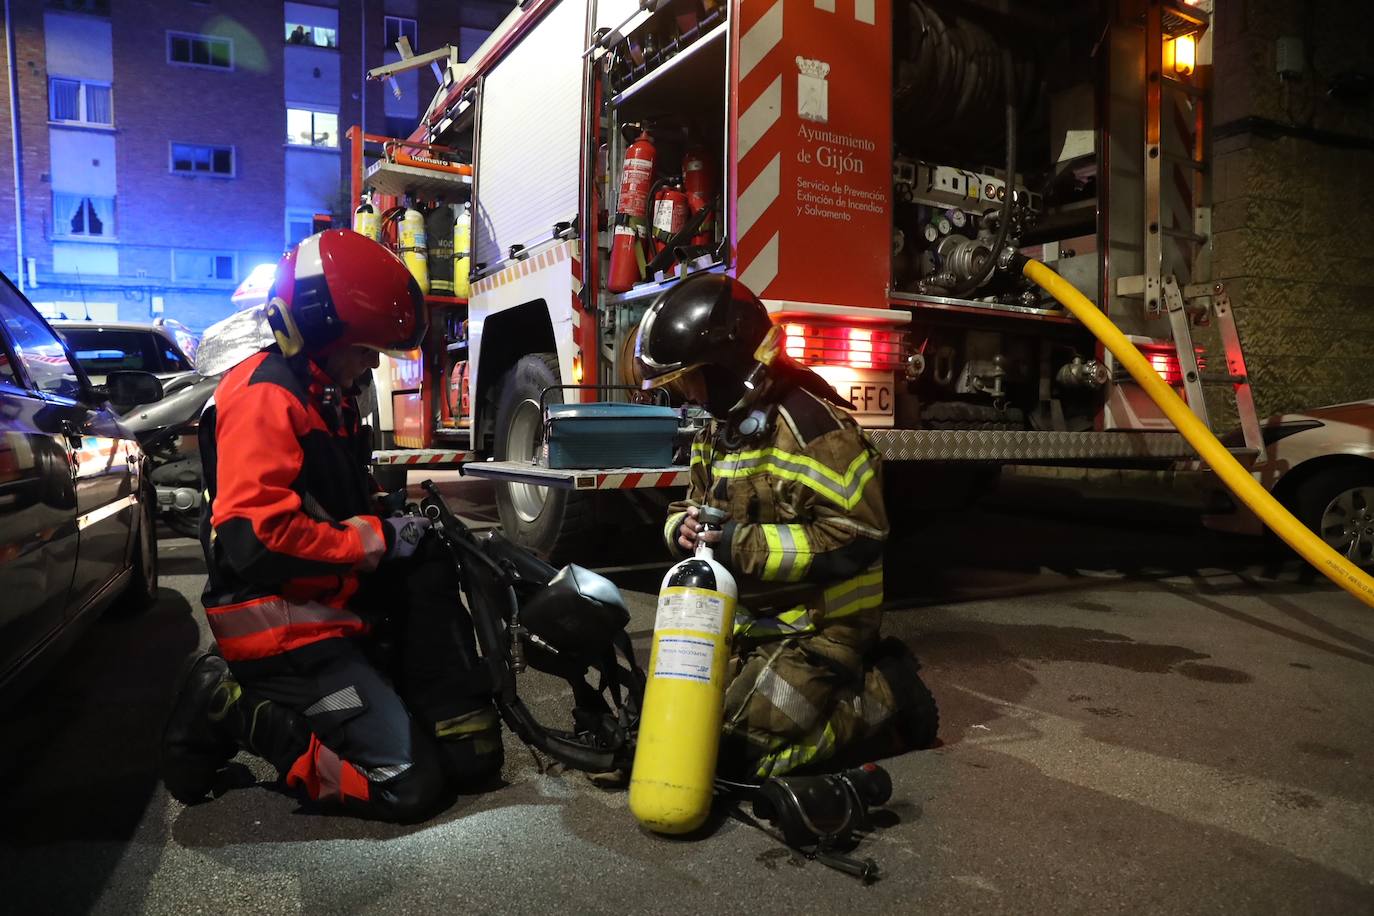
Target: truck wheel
x,y
556,524
1338,504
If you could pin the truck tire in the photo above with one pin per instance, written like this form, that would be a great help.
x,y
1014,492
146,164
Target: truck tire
x,y
559,525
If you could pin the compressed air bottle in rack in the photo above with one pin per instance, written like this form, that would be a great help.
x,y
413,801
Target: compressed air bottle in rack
x,y
366,220
462,252
414,248
684,702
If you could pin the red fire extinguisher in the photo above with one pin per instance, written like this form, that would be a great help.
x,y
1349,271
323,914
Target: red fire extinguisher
x,y
699,181
670,215
632,208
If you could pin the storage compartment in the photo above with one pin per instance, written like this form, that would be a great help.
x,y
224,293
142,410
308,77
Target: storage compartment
x,y
610,435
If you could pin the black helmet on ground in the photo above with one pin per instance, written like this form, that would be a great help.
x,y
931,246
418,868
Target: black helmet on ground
x,y
707,322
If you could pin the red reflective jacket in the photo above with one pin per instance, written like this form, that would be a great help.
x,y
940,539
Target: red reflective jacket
x,y
292,520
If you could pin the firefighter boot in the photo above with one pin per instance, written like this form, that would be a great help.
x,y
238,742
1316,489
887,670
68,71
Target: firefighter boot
x,y
470,747
195,742
272,731
915,718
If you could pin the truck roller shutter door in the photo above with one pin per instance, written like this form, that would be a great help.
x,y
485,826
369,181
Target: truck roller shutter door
x,y
531,142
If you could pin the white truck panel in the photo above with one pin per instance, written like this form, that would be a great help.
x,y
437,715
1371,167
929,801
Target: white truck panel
x,y
553,286
531,135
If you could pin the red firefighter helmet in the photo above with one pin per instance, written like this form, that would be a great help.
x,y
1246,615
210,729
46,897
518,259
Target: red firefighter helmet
x,y
338,289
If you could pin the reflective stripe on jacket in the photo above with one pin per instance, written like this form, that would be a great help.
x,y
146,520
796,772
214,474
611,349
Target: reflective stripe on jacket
x,y
806,511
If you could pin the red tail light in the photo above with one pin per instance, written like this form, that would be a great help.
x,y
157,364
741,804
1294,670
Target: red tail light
x,y
1164,360
851,347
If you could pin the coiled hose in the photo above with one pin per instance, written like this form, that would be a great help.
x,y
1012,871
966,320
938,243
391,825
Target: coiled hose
x,y
1237,479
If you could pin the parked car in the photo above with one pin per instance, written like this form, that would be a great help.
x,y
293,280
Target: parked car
x,y
1320,465
160,347
167,429
76,507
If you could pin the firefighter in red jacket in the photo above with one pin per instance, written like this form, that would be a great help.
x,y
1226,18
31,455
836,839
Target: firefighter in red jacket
x,y
309,582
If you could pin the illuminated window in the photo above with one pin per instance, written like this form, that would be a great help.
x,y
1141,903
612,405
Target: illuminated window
x,y
312,128
316,36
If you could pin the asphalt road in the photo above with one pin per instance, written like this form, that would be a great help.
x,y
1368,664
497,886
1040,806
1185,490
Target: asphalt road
x,y
1135,717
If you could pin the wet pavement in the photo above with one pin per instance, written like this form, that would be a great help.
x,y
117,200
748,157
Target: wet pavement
x,y
1136,714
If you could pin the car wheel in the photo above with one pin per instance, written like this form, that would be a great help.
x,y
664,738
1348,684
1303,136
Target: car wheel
x,y
141,592
556,524
1338,504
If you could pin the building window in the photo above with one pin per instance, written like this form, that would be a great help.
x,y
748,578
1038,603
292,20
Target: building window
x,y
79,102
200,50
314,35
300,224
312,128
396,26
204,266
79,216
190,159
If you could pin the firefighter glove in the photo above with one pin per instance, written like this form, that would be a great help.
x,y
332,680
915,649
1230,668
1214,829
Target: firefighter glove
x,y
403,535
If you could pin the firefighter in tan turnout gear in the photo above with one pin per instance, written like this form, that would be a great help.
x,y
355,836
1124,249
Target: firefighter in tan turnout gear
x,y
802,487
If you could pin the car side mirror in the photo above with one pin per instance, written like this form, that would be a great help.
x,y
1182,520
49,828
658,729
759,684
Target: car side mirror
x,y
129,388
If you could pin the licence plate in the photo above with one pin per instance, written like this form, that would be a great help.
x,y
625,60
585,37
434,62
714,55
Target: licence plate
x,y
869,391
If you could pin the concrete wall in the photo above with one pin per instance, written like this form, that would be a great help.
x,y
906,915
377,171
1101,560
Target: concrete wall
x,y
1294,218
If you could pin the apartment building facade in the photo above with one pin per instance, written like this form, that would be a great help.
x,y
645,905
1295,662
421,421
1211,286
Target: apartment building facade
x,y
154,152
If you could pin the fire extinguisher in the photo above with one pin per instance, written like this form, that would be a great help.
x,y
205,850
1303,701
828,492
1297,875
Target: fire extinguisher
x,y
462,252
670,215
627,248
414,247
684,701
699,181
366,220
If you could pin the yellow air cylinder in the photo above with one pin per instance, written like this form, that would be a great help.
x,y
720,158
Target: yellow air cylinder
x,y
684,701
367,221
414,247
462,252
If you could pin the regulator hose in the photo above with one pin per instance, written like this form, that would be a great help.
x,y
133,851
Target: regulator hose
x,y
1237,479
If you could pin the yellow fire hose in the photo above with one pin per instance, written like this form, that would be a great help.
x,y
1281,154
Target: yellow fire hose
x,y
1248,490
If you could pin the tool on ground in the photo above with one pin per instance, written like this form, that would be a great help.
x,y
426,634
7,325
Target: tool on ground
x,y
684,700
1248,490
823,817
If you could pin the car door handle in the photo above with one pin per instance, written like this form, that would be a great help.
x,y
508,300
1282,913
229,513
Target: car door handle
x,y
73,434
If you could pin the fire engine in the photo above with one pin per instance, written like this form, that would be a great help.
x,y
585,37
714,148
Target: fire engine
x,y
859,164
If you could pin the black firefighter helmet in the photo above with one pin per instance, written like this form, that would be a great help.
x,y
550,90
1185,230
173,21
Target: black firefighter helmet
x,y
706,322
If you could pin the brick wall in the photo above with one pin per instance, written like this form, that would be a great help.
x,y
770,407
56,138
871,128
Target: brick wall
x,y
158,103
8,264
1293,218
32,102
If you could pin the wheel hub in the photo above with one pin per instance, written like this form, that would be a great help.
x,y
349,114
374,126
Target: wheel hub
x,y
1347,525
523,443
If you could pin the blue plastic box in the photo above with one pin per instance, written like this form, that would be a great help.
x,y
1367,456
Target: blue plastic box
x,y
610,435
